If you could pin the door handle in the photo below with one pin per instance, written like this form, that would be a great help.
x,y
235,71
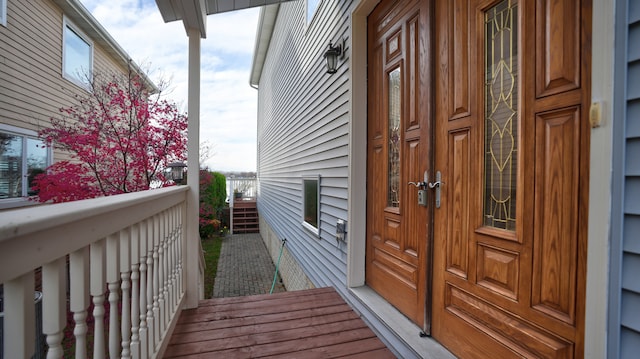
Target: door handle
x,y
436,185
421,184
422,189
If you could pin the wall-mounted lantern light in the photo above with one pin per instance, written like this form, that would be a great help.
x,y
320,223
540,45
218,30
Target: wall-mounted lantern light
x,y
177,171
332,55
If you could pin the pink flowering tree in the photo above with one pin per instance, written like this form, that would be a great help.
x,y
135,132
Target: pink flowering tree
x,y
119,138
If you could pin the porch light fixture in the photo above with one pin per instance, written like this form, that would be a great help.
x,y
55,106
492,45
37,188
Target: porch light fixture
x,y
332,55
177,171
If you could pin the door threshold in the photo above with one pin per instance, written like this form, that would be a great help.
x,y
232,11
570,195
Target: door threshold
x,y
404,329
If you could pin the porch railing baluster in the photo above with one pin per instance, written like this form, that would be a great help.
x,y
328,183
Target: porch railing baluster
x,y
135,292
144,349
79,299
125,279
98,278
54,305
113,280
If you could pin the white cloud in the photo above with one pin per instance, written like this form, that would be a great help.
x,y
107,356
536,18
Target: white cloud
x,y
228,103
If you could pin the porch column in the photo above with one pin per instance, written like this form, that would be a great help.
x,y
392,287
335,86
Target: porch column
x,y
192,256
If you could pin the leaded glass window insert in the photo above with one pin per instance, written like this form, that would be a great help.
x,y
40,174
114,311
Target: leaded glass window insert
x,y
501,115
393,165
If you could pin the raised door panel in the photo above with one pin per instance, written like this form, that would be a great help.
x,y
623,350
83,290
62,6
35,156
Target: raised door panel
x,y
459,56
555,237
557,27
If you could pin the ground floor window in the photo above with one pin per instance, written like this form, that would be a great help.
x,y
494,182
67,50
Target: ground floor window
x,y
310,201
22,157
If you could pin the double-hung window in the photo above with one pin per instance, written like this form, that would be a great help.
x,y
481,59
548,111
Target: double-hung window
x,y
3,12
22,157
77,54
312,6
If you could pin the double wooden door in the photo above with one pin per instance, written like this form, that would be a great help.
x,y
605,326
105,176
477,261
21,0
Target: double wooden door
x,y
493,95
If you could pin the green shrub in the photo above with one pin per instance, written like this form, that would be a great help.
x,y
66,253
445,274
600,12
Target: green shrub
x,y
213,194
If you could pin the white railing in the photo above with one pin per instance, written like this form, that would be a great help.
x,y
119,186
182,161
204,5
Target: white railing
x,y
124,252
247,186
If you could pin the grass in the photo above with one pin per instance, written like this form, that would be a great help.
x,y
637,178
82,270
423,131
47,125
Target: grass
x,y
211,248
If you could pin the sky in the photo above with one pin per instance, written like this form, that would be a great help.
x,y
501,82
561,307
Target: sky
x,y
228,104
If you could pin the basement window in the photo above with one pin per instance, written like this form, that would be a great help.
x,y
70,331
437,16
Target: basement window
x,y
310,203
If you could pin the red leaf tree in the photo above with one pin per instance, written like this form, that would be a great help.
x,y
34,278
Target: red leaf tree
x,y
119,137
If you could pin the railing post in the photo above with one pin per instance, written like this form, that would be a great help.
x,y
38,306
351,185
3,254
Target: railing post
x,y
232,199
19,317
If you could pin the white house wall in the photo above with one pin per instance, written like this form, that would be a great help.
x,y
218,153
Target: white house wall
x,y
303,117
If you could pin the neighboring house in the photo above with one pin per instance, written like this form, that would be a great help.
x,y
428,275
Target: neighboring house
x,y
47,48
518,234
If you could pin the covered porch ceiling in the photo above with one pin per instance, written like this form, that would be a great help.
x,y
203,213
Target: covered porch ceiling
x,y
193,13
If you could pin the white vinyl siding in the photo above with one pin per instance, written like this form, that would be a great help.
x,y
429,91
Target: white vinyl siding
x,y
303,117
624,336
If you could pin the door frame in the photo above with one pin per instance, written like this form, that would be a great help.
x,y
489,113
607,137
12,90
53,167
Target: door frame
x,y
599,216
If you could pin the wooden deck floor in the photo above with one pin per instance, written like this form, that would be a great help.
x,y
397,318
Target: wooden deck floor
x,y
314,323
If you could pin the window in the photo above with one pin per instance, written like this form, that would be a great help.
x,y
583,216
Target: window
x,y
501,115
22,157
312,6
310,201
77,54
3,12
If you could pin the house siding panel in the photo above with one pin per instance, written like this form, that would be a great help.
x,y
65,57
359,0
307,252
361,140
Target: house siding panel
x,y
624,311
303,115
32,88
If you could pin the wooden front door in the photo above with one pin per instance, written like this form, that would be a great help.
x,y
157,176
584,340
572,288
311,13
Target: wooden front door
x,y
512,144
398,152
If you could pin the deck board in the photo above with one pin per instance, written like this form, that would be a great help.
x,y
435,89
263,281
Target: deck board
x,y
314,323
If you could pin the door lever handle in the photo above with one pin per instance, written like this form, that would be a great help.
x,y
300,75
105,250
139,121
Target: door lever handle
x,y
436,185
421,184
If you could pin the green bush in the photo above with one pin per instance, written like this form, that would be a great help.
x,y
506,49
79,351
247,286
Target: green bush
x,y
213,194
